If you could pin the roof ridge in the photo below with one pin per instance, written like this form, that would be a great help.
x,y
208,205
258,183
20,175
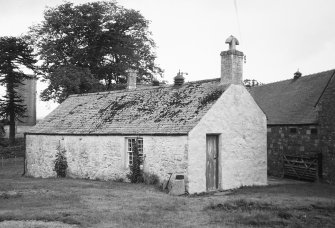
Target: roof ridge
x,y
117,91
304,76
141,89
202,80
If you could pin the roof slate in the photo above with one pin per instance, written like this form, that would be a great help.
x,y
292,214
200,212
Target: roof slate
x,y
292,101
155,110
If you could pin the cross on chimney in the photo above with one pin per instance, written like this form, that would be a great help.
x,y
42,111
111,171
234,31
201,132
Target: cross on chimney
x,y
232,41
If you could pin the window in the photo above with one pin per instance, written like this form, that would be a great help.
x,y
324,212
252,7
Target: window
x,y
293,130
130,147
314,131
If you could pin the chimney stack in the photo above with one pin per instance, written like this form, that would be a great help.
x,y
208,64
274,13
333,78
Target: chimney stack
x,y
131,79
232,63
179,79
297,74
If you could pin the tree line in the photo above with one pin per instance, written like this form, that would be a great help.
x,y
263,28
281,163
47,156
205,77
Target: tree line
x,y
76,49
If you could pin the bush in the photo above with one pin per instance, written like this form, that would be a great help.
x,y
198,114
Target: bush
x,y
150,178
119,179
60,162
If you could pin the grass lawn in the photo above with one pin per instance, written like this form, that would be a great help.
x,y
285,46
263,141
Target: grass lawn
x,y
29,202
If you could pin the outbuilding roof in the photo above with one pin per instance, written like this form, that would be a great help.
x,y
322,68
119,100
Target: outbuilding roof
x,y
156,110
293,101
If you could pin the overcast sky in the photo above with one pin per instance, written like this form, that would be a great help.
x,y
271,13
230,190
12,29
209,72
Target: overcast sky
x,y
277,36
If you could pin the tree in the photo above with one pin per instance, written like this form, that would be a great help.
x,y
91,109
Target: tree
x,y
60,162
15,53
67,80
101,37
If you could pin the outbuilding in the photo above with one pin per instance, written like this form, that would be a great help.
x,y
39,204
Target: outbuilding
x,y
210,131
301,125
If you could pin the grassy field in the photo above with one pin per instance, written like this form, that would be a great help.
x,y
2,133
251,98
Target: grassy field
x,y
29,202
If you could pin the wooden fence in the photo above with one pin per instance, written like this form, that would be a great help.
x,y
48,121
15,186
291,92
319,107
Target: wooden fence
x,y
303,167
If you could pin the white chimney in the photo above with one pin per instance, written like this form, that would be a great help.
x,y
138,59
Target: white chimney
x,y
232,63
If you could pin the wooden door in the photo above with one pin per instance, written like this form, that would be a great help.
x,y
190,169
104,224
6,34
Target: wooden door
x,y
212,161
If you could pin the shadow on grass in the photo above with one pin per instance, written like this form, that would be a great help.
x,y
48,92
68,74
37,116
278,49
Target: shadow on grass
x,y
257,213
67,219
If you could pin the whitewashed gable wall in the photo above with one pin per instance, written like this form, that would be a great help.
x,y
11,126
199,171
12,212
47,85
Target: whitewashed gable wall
x,y
242,142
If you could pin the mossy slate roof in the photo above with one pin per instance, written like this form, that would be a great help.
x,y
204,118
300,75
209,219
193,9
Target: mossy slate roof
x,y
292,101
155,110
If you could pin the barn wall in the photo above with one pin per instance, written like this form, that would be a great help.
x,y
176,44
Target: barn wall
x,y
241,126
282,141
327,131
104,157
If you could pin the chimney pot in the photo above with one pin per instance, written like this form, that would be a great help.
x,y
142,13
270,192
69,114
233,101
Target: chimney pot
x,y
297,74
179,79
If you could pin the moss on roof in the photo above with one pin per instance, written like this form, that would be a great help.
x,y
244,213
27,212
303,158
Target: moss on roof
x,y
155,110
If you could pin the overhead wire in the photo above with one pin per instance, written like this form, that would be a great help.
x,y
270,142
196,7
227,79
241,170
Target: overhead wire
x,y
237,20
239,26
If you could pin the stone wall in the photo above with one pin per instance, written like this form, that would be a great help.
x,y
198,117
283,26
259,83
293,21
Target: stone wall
x,y
165,154
104,157
241,127
327,131
283,140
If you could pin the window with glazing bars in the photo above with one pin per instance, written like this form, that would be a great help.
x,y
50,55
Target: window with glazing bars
x,y
130,149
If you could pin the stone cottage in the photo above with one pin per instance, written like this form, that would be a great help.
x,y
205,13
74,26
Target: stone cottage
x,y
300,119
210,131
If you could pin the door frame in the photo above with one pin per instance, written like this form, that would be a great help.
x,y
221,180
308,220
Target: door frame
x,y
217,168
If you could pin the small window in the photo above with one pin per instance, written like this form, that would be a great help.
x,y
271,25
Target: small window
x,y
314,131
130,147
293,130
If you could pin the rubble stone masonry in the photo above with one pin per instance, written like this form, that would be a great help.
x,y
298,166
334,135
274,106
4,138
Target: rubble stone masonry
x,y
104,157
307,140
327,131
231,67
302,140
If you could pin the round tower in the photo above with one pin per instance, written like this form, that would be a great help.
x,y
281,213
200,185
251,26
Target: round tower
x,y
27,91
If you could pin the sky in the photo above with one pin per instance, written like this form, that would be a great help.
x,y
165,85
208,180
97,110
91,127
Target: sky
x,y
277,37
